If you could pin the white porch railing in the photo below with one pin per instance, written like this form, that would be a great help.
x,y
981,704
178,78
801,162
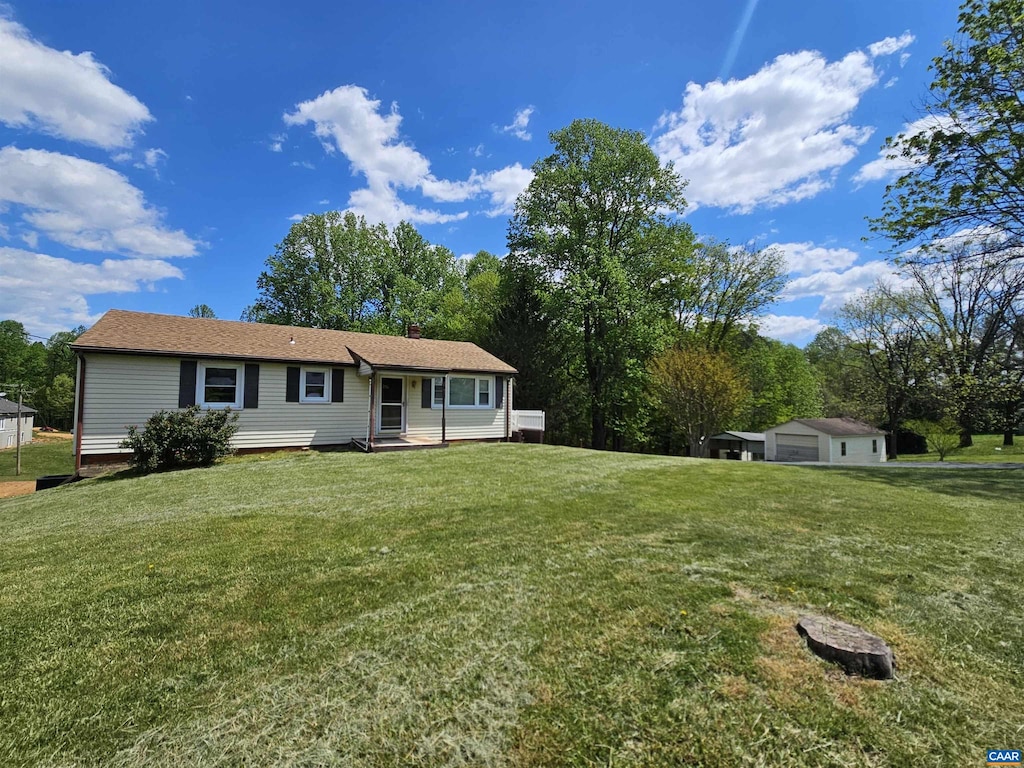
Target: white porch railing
x,y
533,420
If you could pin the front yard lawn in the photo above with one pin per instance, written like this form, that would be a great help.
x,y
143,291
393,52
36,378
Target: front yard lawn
x,y
508,605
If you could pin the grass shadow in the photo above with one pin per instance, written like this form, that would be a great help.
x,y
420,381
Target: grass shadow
x,y
962,482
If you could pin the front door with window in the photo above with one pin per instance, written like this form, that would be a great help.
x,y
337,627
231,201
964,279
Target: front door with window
x,y
392,403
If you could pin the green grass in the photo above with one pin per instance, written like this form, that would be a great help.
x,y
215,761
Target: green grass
x,y
986,448
43,456
508,605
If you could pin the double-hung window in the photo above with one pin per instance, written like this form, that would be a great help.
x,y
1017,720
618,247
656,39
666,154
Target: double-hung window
x,y
219,385
464,391
316,385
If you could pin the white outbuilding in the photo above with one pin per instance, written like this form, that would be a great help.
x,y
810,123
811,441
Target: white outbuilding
x,y
833,441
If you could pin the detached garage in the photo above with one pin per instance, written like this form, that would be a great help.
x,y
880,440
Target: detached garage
x,y
834,441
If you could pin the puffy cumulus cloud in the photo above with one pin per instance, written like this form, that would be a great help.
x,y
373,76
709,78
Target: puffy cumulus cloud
x,y
503,187
889,164
349,121
63,94
519,124
85,205
778,136
836,287
49,294
792,329
805,258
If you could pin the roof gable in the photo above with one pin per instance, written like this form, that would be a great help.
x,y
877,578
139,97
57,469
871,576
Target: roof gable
x,y
146,333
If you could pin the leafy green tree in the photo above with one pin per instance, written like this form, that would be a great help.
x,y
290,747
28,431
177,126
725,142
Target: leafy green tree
x,y
594,230
202,310
892,350
335,271
965,159
467,308
842,377
782,384
968,303
55,402
941,436
698,391
724,286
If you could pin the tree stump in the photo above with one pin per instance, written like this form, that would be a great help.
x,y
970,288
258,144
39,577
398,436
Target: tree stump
x,y
854,649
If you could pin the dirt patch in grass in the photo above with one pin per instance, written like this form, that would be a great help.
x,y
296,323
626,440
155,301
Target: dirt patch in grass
x,y
16,488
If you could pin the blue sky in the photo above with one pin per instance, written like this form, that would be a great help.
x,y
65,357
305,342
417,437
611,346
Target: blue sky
x,y
151,156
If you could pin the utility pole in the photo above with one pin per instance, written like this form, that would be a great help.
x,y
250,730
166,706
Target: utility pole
x,y
17,450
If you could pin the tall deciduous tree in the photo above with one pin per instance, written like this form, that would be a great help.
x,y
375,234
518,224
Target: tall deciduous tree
x,y
595,225
335,271
698,391
968,304
892,350
965,159
724,286
782,384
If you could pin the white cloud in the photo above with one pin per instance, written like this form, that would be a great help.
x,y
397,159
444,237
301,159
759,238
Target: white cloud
x,y
296,217
806,258
346,119
886,167
325,201
778,136
85,205
836,287
891,82
519,124
303,164
793,329
504,186
904,58
63,94
478,150
48,294
154,157
31,239
891,45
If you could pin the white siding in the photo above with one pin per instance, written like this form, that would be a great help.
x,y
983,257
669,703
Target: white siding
x,y
858,450
460,423
9,432
127,389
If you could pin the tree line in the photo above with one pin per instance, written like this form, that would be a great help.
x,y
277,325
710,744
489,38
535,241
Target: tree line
x,y
635,333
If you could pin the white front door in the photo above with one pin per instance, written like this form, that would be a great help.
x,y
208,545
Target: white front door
x,y
391,411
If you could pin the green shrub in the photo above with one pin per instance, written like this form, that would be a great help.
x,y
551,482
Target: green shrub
x,y
187,438
943,436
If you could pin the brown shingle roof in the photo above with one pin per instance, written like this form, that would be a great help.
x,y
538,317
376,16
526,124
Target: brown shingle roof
x,y
840,427
145,333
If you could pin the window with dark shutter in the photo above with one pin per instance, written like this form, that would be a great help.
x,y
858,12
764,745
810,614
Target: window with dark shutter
x,y
428,387
291,390
252,386
337,385
499,391
187,384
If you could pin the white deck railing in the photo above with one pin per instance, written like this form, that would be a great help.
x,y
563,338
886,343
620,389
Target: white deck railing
x,y
528,420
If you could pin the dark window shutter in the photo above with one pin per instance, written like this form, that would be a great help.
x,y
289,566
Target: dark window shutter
x,y
187,384
251,398
337,385
499,394
427,395
291,389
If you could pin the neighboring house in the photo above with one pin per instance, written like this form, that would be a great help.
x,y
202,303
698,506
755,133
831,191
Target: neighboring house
x,y
835,441
9,423
739,446
292,387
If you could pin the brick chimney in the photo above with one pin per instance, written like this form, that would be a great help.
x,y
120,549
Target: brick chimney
x,y
414,331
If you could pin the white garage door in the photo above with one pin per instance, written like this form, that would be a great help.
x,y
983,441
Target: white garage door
x,y
796,448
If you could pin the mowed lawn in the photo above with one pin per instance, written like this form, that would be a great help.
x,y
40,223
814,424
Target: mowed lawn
x,y
508,605
986,448
45,455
